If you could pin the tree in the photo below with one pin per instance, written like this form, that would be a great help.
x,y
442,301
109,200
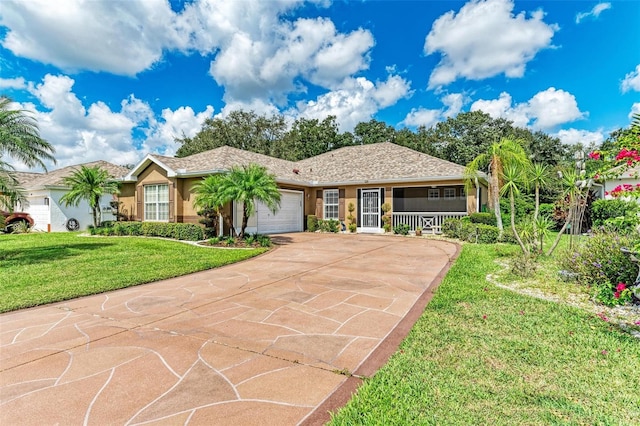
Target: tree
x,y
90,184
373,131
240,129
512,175
210,197
307,138
19,139
246,185
501,154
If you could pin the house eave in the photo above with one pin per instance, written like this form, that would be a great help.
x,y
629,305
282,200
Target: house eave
x,y
386,181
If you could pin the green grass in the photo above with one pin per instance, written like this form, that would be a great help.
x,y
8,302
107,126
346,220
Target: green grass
x,y
42,268
528,362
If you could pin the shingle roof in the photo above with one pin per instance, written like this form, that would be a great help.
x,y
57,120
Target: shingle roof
x,y
56,177
225,157
374,163
378,162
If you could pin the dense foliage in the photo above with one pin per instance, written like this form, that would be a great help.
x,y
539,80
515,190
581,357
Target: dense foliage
x,y
458,139
177,231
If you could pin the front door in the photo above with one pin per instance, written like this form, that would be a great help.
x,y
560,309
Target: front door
x,y
370,210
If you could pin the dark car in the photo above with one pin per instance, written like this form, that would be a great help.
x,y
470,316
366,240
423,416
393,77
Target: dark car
x,y
11,219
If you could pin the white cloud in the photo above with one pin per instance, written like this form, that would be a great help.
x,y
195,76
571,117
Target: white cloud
x,y
355,100
13,83
544,110
267,66
485,39
584,137
632,81
453,103
594,13
114,36
422,117
552,107
97,132
503,108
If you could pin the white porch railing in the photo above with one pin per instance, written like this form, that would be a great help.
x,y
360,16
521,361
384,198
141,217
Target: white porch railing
x,y
429,221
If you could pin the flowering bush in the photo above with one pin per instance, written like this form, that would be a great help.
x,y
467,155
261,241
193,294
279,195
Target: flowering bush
x,y
624,155
601,265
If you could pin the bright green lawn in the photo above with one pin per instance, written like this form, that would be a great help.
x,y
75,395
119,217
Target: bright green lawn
x,y
528,362
41,268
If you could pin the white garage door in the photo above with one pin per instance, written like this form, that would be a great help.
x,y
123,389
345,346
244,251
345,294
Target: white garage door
x,y
287,219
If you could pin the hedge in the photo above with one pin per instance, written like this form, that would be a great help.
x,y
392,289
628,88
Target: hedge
x,y
177,231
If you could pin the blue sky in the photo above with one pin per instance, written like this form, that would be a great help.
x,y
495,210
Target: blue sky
x,y
115,79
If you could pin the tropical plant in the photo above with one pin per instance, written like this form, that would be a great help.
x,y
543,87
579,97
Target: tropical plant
x,y
512,177
246,185
210,198
498,156
20,140
90,184
576,194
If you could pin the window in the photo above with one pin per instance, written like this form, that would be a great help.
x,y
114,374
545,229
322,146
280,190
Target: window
x,y
449,193
434,193
156,202
330,204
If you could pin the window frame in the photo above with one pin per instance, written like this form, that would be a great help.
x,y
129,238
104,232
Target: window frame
x,y
450,196
334,206
433,194
158,204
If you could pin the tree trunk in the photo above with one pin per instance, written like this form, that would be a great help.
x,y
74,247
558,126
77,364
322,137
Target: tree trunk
x,y
557,240
536,211
245,220
524,248
495,200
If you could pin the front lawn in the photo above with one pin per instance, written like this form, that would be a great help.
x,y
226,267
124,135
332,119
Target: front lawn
x,y
485,355
41,268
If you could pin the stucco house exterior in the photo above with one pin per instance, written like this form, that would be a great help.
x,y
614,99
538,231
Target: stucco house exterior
x,y
44,191
422,190
628,177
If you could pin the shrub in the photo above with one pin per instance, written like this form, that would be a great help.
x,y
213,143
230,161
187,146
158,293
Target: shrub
x,y
329,225
602,210
264,241
485,218
464,229
601,264
312,223
353,227
523,265
178,231
401,229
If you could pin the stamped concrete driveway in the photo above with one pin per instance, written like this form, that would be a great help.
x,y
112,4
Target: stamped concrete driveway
x,y
271,340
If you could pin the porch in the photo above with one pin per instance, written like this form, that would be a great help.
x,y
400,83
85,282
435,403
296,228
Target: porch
x,y
428,206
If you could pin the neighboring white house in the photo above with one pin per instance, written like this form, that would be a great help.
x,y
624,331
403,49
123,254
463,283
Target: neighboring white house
x,y
629,177
44,191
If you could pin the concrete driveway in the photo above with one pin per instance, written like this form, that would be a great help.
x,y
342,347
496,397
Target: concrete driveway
x,y
272,340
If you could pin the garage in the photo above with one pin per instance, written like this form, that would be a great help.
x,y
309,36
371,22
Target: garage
x,y
287,219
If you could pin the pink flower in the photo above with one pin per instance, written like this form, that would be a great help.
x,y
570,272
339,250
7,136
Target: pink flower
x,y
616,295
595,155
637,322
621,286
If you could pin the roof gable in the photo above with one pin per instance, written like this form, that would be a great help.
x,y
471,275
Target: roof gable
x,y
56,177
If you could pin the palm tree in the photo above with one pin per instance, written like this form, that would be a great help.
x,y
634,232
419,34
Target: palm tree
x,y
19,139
210,197
89,183
500,154
512,177
245,185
